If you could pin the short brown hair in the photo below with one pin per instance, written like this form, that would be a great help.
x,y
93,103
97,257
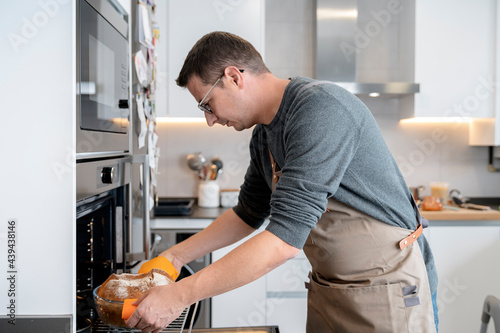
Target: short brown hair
x,y
216,51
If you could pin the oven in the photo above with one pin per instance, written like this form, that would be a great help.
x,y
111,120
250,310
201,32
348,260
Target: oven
x,y
112,227
102,103
102,228
113,236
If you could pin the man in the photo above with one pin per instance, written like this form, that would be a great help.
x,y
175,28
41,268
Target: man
x,y
322,173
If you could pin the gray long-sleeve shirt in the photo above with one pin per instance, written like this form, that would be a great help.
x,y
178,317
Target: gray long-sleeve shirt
x,y
327,144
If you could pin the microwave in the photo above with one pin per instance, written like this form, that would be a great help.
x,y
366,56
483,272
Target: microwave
x,y
102,103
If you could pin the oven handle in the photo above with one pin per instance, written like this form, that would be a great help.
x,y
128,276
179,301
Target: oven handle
x,y
144,160
156,241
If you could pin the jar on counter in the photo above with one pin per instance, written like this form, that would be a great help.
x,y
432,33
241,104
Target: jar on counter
x,y
432,203
209,194
229,197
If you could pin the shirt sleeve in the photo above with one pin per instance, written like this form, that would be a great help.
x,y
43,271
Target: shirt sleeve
x,y
255,193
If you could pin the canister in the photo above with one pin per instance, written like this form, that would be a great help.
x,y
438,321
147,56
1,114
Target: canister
x,y
208,194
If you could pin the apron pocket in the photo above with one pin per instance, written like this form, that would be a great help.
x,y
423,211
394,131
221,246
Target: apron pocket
x,y
337,308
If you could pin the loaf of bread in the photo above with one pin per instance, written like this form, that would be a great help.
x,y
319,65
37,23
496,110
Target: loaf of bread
x,y
118,287
126,286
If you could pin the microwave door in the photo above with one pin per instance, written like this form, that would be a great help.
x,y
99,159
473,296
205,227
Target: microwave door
x,y
103,74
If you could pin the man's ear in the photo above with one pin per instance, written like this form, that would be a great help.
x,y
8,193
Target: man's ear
x,y
235,76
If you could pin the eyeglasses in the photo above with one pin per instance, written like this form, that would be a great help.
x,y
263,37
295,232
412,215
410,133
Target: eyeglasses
x,y
204,107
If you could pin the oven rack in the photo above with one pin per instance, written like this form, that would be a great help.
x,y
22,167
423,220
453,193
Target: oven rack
x,y
177,325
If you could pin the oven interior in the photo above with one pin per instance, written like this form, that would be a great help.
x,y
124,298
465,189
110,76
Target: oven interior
x,y
100,226
101,249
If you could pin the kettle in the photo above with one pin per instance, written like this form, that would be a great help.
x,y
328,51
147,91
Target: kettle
x,y
415,191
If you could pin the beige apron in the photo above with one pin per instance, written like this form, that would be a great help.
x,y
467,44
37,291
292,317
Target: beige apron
x,y
367,276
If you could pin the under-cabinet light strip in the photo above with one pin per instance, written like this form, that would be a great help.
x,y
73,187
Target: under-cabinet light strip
x,y
180,119
406,121
436,120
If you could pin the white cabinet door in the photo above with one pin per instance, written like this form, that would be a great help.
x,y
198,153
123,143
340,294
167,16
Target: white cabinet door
x,y
290,276
286,303
38,158
279,298
288,313
467,260
244,306
454,61
189,20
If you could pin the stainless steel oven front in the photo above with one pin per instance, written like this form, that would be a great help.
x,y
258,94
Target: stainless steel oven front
x,y
102,226
112,226
103,112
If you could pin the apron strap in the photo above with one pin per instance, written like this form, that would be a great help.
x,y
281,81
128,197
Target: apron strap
x,y
273,165
411,238
422,223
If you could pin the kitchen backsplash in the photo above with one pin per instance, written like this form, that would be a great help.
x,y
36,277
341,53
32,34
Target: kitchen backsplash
x,y
425,152
177,139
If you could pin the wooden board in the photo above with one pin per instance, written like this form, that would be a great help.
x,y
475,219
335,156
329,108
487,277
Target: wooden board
x,y
461,214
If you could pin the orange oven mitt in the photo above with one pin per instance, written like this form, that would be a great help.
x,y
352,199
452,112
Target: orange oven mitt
x,y
161,263
128,308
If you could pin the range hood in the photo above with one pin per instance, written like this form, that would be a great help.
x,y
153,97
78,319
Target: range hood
x,y
337,46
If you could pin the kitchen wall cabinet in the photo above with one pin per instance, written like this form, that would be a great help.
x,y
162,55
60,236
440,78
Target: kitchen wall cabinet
x,y
454,61
186,21
466,256
486,132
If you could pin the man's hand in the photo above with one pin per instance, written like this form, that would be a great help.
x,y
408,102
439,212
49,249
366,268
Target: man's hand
x,y
157,308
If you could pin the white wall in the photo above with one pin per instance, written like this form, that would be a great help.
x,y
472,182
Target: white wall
x,y
37,140
424,152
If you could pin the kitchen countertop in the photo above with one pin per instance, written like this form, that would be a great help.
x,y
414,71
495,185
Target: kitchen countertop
x,y
461,214
200,218
462,218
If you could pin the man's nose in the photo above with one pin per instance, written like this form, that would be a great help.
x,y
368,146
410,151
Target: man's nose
x,y
211,119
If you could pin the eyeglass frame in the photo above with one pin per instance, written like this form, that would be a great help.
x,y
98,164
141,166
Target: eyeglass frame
x,y
204,107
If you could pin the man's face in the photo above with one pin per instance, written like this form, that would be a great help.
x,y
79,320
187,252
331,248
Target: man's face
x,y
225,100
